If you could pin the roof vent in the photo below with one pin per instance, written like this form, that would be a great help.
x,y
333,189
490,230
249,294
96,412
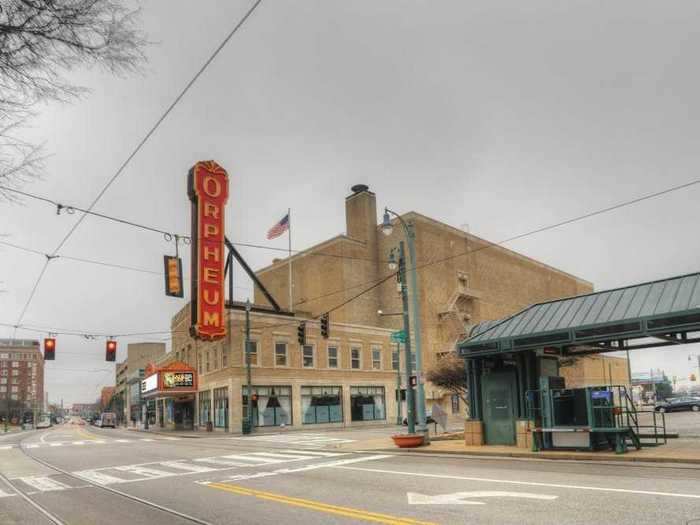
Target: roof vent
x,y
359,188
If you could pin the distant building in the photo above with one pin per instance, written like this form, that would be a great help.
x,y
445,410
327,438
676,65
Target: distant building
x,y
106,396
128,376
84,409
21,376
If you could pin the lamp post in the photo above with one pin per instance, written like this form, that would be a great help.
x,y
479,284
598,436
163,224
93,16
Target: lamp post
x,y
387,229
410,405
248,424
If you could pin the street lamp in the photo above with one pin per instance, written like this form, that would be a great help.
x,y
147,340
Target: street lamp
x,y
387,229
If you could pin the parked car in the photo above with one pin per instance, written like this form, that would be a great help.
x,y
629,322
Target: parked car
x,y
678,404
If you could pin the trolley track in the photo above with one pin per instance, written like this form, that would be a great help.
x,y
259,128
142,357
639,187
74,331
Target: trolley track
x,y
56,520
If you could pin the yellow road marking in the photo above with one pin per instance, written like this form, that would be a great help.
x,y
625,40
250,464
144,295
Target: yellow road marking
x,y
318,506
86,435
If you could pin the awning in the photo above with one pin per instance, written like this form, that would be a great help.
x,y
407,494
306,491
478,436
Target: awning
x,y
666,310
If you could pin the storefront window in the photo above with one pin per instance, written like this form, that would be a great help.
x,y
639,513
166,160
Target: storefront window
x,y
332,357
308,356
204,407
367,403
272,405
321,404
221,407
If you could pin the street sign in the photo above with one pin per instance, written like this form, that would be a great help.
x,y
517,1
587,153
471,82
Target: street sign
x,y
398,337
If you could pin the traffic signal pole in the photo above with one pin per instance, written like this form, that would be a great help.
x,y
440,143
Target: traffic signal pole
x,y
248,425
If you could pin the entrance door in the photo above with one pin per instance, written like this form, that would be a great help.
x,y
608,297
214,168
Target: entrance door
x,y
499,407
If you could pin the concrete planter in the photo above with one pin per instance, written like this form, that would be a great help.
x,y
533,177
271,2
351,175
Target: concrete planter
x,y
408,440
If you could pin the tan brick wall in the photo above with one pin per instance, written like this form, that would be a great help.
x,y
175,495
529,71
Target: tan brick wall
x,y
226,361
495,282
595,370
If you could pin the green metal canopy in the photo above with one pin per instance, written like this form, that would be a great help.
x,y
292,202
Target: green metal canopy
x,y
667,310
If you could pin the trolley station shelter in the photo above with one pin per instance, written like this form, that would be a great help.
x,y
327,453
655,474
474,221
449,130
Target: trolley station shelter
x,y
168,394
517,395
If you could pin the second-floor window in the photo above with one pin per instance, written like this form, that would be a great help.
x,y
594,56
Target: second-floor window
x,y
376,359
332,357
280,354
355,358
308,357
253,352
394,360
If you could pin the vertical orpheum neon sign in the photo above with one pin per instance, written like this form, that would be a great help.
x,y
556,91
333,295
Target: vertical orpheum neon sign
x,y
207,186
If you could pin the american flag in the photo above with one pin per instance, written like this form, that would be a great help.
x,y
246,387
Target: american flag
x,y
279,228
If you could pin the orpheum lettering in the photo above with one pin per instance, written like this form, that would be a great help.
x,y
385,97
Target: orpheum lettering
x,y
208,191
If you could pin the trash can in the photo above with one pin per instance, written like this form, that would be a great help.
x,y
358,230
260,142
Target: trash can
x,y
246,428
210,426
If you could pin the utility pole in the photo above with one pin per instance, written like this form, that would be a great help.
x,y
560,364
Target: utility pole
x,y
410,405
248,423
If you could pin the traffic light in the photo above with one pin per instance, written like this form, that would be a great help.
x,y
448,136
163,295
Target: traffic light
x,y
301,333
49,349
325,328
111,350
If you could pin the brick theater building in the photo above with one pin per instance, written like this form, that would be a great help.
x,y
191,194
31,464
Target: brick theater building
x,y
462,280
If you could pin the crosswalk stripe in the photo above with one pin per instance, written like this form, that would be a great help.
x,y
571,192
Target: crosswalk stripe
x,y
171,438
55,444
98,477
225,462
5,494
314,453
78,442
31,445
144,471
122,441
44,484
255,457
282,456
146,439
6,447
189,467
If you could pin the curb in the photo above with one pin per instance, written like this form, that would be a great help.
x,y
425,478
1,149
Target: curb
x,y
623,458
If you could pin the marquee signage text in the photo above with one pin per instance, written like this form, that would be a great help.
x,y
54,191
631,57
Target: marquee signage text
x,y
208,190
178,380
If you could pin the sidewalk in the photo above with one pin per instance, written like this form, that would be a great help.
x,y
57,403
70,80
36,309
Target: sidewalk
x,y
675,451
176,433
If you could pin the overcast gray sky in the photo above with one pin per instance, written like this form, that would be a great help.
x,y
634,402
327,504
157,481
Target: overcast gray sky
x,y
505,116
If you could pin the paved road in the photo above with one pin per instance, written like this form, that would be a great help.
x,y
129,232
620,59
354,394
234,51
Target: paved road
x,y
303,477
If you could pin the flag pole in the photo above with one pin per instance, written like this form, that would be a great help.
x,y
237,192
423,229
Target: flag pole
x,y
289,238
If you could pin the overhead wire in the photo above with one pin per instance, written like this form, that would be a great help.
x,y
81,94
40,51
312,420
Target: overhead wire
x,y
138,147
377,282
60,207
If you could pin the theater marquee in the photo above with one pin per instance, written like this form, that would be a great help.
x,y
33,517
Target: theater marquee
x,y
207,186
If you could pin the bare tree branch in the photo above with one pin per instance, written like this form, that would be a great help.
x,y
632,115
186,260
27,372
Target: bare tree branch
x,y
449,374
41,41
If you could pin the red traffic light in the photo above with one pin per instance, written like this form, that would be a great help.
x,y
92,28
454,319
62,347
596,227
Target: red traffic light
x,y
49,349
111,351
